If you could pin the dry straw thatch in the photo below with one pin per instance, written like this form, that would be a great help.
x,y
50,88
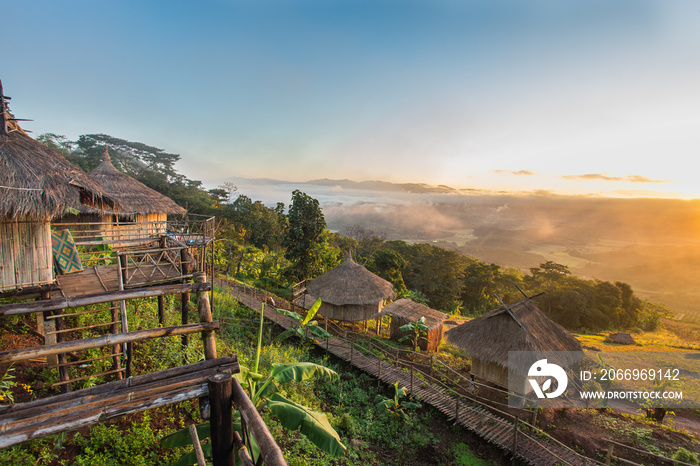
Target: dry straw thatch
x,y
350,283
350,292
404,311
490,337
39,183
134,197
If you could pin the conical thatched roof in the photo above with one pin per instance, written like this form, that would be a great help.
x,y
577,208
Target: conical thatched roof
x,y
37,182
350,283
134,197
525,328
412,311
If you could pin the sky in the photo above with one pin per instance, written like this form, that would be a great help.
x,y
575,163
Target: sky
x,y
592,97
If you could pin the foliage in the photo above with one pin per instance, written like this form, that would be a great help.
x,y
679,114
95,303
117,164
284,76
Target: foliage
x,y
396,405
6,384
264,392
686,456
304,236
417,330
388,264
306,325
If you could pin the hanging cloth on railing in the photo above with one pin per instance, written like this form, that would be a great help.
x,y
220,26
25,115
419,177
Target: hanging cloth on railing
x,y
65,254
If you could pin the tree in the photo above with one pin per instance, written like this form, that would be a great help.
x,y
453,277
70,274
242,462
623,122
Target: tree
x,y
304,235
388,264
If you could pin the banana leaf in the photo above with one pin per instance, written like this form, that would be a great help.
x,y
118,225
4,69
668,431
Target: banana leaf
x,y
313,424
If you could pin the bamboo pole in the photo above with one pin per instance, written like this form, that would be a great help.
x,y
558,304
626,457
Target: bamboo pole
x,y
23,354
138,381
185,296
205,316
515,439
270,451
98,298
197,446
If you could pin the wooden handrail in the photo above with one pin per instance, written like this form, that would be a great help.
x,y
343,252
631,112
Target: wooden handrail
x,y
22,354
270,451
97,298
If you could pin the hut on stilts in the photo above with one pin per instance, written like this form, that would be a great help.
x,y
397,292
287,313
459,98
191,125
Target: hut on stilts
x,y
520,327
405,311
142,216
37,185
349,293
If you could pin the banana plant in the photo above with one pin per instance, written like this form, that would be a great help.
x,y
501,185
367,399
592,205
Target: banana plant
x,y
264,393
306,325
395,405
417,329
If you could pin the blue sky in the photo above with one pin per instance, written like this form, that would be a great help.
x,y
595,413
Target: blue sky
x,y
574,96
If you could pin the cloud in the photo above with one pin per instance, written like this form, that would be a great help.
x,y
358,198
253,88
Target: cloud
x,y
512,172
603,177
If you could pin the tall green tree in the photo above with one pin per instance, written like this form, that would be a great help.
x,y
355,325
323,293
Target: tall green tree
x,y
304,236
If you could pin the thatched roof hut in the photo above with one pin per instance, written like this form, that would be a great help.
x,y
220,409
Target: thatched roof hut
x,y
404,311
622,338
350,292
522,327
135,198
37,184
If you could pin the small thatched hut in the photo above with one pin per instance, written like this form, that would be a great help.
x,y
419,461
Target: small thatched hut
x,y
37,184
350,292
520,327
143,212
622,338
404,311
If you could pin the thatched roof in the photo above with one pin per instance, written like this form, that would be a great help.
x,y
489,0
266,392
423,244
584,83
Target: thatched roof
x,y
350,283
412,311
134,197
37,182
622,338
524,328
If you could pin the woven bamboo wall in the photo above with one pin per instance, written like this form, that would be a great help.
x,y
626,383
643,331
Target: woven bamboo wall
x,y
25,254
350,312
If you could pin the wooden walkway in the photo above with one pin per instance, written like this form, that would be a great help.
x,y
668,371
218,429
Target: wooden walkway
x,y
534,449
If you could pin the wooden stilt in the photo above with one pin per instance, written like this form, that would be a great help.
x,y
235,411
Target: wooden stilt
x,y
220,387
205,316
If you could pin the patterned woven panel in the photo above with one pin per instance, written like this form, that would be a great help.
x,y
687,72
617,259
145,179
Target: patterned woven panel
x,y
65,253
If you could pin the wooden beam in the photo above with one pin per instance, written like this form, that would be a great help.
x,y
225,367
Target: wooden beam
x,y
205,316
22,354
97,298
121,384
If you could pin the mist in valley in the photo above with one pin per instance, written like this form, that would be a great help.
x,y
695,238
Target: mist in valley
x,y
652,244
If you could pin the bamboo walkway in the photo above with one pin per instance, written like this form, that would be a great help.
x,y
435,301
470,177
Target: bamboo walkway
x,y
532,448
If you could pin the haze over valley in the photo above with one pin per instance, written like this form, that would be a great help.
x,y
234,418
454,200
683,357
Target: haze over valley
x,y
652,244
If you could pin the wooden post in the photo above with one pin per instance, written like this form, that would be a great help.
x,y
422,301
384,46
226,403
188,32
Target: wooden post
x,y
197,446
205,316
534,414
49,332
352,349
220,388
62,360
397,358
431,365
457,410
411,379
161,299
379,376
116,349
185,297
129,347
610,453
515,439
161,310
